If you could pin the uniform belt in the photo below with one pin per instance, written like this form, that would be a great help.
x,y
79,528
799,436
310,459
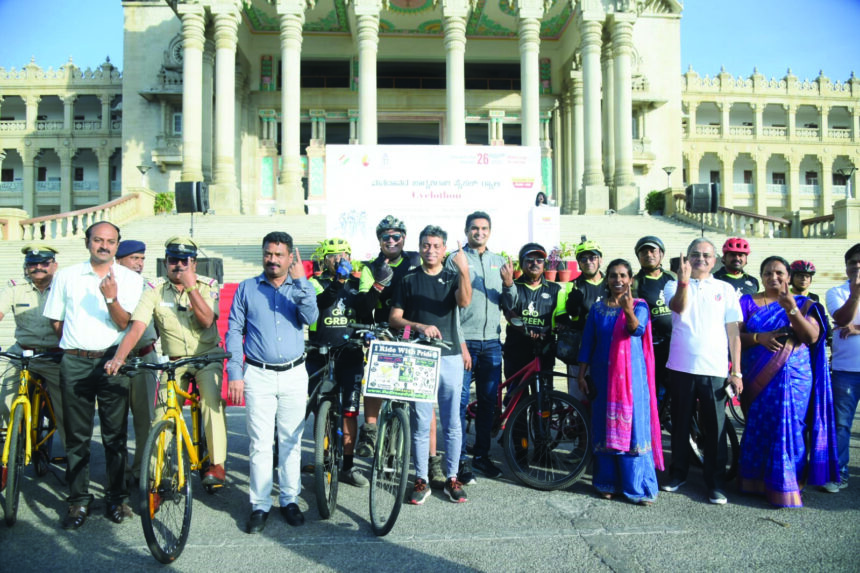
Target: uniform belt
x,y
276,367
146,349
88,353
41,349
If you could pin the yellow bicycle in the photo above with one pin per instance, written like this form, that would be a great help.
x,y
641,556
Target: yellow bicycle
x,y
170,454
31,427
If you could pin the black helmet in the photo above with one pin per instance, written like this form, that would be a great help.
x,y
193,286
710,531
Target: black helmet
x,y
390,222
649,241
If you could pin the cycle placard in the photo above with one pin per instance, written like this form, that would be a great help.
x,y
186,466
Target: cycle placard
x,y
401,371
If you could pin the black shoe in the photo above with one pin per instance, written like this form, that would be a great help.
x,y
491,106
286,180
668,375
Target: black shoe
x,y
118,512
293,514
465,475
257,521
485,466
673,485
76,517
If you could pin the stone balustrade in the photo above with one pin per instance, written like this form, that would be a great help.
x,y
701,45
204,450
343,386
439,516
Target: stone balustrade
x,y
729,221
823,227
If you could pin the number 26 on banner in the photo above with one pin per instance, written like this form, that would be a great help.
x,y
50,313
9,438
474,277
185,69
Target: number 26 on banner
x,y
483,159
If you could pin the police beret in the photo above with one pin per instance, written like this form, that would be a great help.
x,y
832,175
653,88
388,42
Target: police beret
x,y
130,247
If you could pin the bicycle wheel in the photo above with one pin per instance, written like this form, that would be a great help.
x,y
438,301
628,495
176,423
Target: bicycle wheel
x,y
697,447
548,450
46,426
15,467
326,458
736,411
165,504
390,473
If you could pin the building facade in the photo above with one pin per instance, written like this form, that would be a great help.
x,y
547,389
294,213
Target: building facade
x,y
245,94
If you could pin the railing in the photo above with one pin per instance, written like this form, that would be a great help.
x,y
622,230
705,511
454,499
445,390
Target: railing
x,y
733,221
839,191
47,185
823,227
709,130
12,186
777,188
743,188
85,185
810,189
88,125
741,131
839,133
116,124
806,132
771,131
73,223
115,186
49,125
13,125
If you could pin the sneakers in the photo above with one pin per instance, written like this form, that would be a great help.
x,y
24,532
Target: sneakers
x,y
437,478
366,441
831,487
420,493
485,466
717,497
465,475
215,476
354,478
454,490
673,485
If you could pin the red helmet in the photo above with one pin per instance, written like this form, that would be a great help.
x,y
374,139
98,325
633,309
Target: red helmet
x,y
802,267
736,245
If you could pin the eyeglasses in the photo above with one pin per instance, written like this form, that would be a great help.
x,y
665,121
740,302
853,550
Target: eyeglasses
x,y
705,256
533,261
178,261
41,263
589,257
391,237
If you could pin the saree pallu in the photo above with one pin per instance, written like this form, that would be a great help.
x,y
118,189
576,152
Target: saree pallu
x,y
790,435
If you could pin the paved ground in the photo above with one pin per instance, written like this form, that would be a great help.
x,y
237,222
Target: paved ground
x,y
503,527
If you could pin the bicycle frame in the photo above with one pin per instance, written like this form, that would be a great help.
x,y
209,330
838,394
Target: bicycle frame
x,y
29,383
174,412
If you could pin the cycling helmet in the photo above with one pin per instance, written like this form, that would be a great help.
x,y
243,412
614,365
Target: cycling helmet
x,y
736,245
334,247
390,222
649,241
586,247
802,267
529,248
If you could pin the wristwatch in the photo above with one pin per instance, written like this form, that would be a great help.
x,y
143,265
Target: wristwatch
x,y
737,375
793,311
193,288
109,300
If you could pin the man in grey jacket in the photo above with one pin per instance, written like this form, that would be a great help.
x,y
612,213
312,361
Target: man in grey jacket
x,y
480,324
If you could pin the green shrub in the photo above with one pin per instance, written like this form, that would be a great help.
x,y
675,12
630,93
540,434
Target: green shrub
x,y
655,201
163,203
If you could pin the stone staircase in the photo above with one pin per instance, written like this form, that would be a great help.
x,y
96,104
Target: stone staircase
x,y
236,240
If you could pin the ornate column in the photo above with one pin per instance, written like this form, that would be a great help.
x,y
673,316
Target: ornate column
x,y
823,112
103,154
66,153
207,112
568,188
725,108
693,159
68,111
105,101
367,19
352,115
529,13
758,110
761,182
193,25
793,160
692,106
454,14
855,123
224,195
825,203
607,115
32,102
595,193
558,148
626,193
790,113
727,162
578,144
28,163
290,196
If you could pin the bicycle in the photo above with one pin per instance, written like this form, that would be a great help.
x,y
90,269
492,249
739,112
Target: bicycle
x,y
31,428
546,437
325,402
165,487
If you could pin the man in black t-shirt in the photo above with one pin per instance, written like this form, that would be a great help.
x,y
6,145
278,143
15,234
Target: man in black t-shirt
x,y
588,288
735,253
426,299
648,284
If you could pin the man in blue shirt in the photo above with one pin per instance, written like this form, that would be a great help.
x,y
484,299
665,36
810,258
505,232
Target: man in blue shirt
x,y
270,311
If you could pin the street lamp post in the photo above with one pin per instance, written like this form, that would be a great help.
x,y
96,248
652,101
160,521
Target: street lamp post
x,y
143,171
669,170
848,172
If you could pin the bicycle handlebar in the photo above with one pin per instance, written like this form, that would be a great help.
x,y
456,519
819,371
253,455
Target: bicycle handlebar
x,y
138,364
26,358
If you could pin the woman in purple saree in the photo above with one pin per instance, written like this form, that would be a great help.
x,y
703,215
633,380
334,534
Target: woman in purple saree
x,y
790,437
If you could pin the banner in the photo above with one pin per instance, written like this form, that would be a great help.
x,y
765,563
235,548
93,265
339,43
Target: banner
x,y
401,371
430,185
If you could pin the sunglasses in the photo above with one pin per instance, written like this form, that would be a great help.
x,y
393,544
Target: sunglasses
x,y
533,261
391,237
41,263
591,257
178,261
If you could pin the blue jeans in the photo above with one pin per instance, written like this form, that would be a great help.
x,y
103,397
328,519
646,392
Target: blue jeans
x,y
487,370
846,392
450,376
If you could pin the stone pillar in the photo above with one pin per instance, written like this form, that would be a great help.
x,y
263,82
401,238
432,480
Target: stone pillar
x,y
758,110
367,18
567,180
103,154
578,143
352,115
529,14
193,25
693,159
855,124
626,192
825,204
760,183
596,196
32,102
790,113
823,112
846,219
793,181
28,163
558,148
608,117
692,106
66,154
224,195
727,162
454,13
105,101
290,196
725,108
208,115
68,111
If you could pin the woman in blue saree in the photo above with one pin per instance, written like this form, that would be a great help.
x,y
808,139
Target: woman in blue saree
x,y
790,436
616,348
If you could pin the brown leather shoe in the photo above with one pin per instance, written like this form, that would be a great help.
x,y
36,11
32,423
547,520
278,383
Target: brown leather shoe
x,y
215,476
76,517
119,512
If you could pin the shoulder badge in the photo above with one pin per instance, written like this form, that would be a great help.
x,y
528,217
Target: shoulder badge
x,y
12,283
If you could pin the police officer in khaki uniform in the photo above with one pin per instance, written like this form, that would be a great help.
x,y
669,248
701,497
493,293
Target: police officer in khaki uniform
x,y
141,389
26,300
185,309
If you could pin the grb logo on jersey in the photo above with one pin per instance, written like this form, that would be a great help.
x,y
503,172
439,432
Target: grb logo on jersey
x,y
531,310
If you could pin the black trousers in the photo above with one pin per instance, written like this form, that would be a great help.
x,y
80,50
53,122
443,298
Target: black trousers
x,y
685,390
82,382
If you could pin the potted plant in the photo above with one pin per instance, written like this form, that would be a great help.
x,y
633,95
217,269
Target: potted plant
x,y
565,254
518,271
357,266
655,202
553,260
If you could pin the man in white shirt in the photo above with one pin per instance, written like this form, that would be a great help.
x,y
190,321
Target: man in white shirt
x,y
705,322
843,304
90,306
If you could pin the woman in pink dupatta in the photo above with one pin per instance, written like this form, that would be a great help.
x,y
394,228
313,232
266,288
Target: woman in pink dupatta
x,y
616,349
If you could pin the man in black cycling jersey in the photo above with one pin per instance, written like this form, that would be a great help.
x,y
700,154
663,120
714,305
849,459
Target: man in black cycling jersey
x,y
588,287
735,253
337,290
648,284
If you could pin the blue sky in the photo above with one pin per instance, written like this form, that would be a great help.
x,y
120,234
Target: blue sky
x,y
739,34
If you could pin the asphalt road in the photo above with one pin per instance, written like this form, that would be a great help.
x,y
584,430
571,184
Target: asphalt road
x,y
503,527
